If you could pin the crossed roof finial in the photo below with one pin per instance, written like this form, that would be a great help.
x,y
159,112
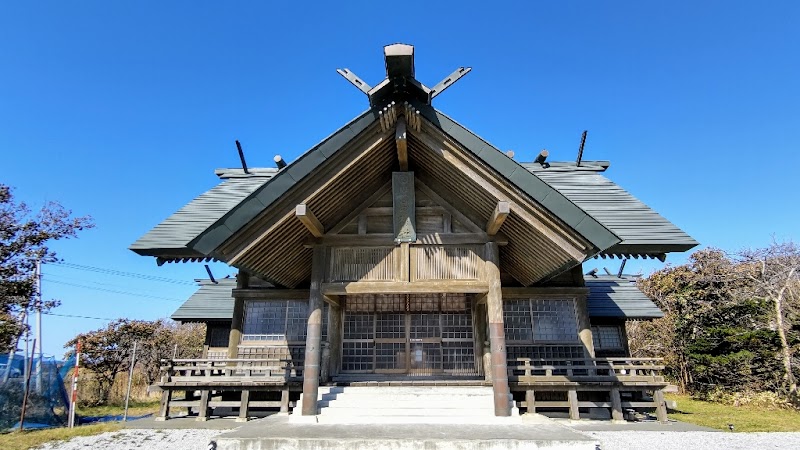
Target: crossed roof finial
x,y
400,82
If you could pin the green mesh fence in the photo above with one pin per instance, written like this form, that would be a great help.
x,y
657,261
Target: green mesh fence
x,y
47,404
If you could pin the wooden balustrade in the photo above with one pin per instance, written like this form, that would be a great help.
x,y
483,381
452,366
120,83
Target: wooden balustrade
x,y
583,369
212,376
606,380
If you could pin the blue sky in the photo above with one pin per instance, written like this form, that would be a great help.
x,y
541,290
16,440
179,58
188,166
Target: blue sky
x,y
122,110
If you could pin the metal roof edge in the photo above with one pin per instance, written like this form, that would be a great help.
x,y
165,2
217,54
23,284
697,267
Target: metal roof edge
x,y
554,201
207,241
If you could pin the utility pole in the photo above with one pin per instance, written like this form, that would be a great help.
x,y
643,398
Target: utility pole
x,y
39,365
130,381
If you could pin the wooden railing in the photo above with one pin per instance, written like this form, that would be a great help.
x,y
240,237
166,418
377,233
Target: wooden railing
x,y
211,376
601,379
216,371
587,369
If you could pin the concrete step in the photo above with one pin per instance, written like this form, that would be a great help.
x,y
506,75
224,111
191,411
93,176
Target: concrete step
x,y
439,420
361,412
400,403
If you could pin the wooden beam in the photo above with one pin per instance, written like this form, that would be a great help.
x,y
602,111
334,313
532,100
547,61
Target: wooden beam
x,y
386,239
271,294
498,217
402,143
309,220
405,287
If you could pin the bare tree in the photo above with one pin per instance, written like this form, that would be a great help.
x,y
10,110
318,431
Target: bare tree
x,y
775,272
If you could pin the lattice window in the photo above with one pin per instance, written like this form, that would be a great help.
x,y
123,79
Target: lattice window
x,y
554,320
425,325
362,264
540,320
218,334
359,326
456,325
424,302
439,262
390,302
607,337
358,356
360,303
390,326
517,320
278,320
390,355
458,358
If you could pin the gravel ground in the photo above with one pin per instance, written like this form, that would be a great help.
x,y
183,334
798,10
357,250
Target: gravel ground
x,y
611,440
140,439
666,440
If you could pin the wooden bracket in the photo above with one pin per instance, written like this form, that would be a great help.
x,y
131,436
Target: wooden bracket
x,y
402,143
498,216
309,220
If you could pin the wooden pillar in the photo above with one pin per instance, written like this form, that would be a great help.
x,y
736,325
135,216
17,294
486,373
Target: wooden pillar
x,y
584,326
335,338
574,410
661,406
166,397
497,336
235,336
479,324
285,401
313,334
530,401
202,415
616,405
244,406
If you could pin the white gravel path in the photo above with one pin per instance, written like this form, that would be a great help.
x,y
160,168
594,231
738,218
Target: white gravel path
x,y
690,440
611,440
140,439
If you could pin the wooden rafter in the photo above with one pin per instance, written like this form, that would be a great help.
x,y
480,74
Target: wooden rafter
x,y
304,214
401,140
498,216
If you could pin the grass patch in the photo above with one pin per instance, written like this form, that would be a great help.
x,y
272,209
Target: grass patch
x,y
134,409
745,418
23,440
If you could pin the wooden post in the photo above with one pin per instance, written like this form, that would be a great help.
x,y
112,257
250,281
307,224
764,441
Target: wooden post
x,y
244,406
335,338
285,401
479,325
235,336
313,334
584,326
661,406
616,405
497,336
202,415
166,397
530,401
574,411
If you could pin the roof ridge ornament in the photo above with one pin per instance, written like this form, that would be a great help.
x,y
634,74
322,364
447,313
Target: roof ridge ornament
x,y
400,83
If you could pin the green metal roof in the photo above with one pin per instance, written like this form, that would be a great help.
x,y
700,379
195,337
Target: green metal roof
x,y
211,302
610,296
170,238
643,231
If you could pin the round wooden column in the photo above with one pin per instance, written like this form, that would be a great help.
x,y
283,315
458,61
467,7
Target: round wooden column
x,y
313,335
497,336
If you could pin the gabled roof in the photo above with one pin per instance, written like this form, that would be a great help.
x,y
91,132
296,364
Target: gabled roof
x,y
170,239
213,301
610,296
553,230
643,231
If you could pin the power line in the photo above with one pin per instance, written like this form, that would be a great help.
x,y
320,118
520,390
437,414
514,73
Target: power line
x,y
114,291
77,317
124,274
49,276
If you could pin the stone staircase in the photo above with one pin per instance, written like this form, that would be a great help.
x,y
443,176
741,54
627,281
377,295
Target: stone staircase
x,y
407,405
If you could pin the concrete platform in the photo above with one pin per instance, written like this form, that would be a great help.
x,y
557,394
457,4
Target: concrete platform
x,y
279,433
